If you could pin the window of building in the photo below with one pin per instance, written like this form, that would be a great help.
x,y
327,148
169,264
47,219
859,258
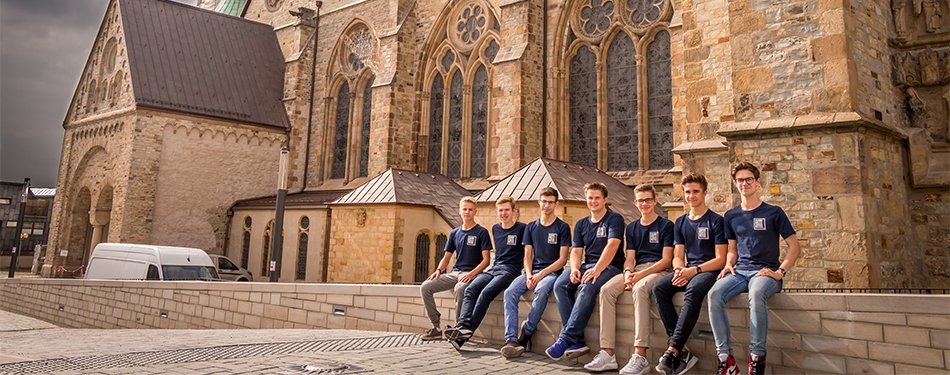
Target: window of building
x,y
36,207
440,241
352,81
266,250
5,201
614,120
456,127
303,242
422,257
246,242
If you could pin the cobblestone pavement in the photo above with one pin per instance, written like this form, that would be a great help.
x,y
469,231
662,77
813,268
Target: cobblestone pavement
x,y
31,346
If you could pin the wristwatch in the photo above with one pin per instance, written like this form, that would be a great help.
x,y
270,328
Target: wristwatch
x,y
625,270
782,270
699,269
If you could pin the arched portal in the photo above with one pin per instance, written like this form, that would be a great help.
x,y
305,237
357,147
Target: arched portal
x,y
80,230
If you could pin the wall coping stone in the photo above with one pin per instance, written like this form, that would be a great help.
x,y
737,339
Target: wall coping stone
x,y
838,120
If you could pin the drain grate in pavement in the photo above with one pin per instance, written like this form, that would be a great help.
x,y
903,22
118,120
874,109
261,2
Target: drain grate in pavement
x,y
215,353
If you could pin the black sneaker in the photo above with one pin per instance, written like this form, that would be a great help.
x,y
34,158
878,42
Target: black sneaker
x,y
512,349
686,361
457,343
431,334
668,362
756,364
524,339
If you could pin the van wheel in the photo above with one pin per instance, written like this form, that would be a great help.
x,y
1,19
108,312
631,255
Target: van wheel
x,y
242,279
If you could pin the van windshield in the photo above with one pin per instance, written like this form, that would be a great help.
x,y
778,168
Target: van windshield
x,y
189,273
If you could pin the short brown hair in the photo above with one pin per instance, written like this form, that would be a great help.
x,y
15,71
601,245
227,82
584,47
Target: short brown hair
x,y
744,165
504,200
468,199
645,188
695,178
550,192
596,186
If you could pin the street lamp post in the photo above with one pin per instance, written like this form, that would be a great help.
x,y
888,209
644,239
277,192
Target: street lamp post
x,y
19,227
277,241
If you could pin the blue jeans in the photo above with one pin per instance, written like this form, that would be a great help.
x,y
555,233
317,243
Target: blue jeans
x,y
760,288
540,302
680,326
481,292
575,302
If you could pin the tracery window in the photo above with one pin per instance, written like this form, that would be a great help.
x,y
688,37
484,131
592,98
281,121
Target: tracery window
x,y
619,90
246,242
303,243
455,132
266,249
351,103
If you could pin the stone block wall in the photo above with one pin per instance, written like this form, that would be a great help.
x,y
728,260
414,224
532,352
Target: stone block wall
x,y
808,333
362,240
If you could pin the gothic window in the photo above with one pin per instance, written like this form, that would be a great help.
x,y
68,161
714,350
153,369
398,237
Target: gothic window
x,y
583,96
341,125
454,158
365,127
621,105
619,91
479,122
353,64
660,102
302,243
440,241
422,257
91,96
266,250
436,100
246,242
457,127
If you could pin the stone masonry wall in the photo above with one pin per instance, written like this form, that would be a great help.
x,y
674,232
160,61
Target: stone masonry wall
x,y
362,243
809,333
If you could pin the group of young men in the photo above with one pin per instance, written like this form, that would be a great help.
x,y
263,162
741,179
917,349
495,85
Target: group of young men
x,y
701,254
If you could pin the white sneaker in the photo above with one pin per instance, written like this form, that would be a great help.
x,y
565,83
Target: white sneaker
x,y
602,362
637,366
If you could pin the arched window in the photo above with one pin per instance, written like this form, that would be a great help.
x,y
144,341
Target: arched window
x,y
246,242
303,242
440,241
352,73
266,250
422,257
458,75
617,58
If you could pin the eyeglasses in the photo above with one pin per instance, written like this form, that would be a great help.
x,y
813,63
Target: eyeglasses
x,y
544,201
747,180
645,200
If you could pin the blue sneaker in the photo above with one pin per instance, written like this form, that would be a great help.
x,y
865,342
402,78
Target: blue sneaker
x,y
576,350
556,351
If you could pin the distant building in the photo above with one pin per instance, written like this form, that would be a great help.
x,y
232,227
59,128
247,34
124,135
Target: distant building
x,y
36,220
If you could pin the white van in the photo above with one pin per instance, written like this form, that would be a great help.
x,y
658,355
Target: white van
x,y
123,261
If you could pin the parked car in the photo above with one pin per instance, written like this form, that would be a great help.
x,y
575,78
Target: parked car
x,y
228,270
123,261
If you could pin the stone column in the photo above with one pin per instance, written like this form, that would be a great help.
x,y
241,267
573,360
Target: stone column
x,y
99,219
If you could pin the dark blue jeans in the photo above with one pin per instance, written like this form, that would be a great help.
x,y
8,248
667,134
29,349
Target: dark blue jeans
x,y
575,302
680,326
481,292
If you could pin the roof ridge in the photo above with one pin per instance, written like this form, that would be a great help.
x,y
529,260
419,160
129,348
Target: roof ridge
x,y
171,2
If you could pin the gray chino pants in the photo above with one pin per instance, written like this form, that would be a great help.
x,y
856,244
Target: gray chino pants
x,y
444,282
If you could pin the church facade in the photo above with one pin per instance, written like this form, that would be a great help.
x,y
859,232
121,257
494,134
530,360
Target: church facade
x,y
174,131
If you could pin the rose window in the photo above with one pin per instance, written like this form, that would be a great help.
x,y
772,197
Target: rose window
x,y
595,17
471,24
643,13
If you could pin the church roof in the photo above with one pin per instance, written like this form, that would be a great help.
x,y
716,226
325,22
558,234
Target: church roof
x,y
304,199
193,60
568,178
410,187
232,7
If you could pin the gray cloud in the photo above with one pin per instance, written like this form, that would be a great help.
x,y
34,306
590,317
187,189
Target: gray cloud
x,y
44,46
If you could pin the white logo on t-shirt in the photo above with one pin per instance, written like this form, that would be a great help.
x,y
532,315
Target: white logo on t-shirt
x,y
601,232
471,240
512,239
703,233
758,223
654,237
552,238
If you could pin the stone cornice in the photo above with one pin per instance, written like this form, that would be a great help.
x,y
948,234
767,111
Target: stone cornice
x,y
701,146
836,120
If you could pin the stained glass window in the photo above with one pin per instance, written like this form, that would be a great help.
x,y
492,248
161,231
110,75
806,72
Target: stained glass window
x,y
447,60
338,168
439,248
302,243
245,248
436,101
622,105
365,128
583,107
422,258
660,102
454,159
479,122
265,254
491,51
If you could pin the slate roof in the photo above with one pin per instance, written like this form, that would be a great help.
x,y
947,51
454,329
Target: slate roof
x,y
232,7
410,187
568,178
42,192
303,199
193,60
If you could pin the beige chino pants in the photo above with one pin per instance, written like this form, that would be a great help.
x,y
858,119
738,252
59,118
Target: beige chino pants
x,y
641,293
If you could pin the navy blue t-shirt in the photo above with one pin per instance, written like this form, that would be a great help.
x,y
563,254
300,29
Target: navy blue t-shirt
x,y
649,241
756,233
700,236
593,237
547,241
509,245
470,244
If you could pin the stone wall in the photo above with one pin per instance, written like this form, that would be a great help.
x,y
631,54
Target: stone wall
x,y
293,229
809,333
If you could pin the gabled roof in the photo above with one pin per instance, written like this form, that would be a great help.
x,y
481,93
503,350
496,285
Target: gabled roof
x,y
193,60
568,178
410,187
315,198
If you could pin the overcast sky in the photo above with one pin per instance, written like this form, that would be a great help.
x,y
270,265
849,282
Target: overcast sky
x,y
43,47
